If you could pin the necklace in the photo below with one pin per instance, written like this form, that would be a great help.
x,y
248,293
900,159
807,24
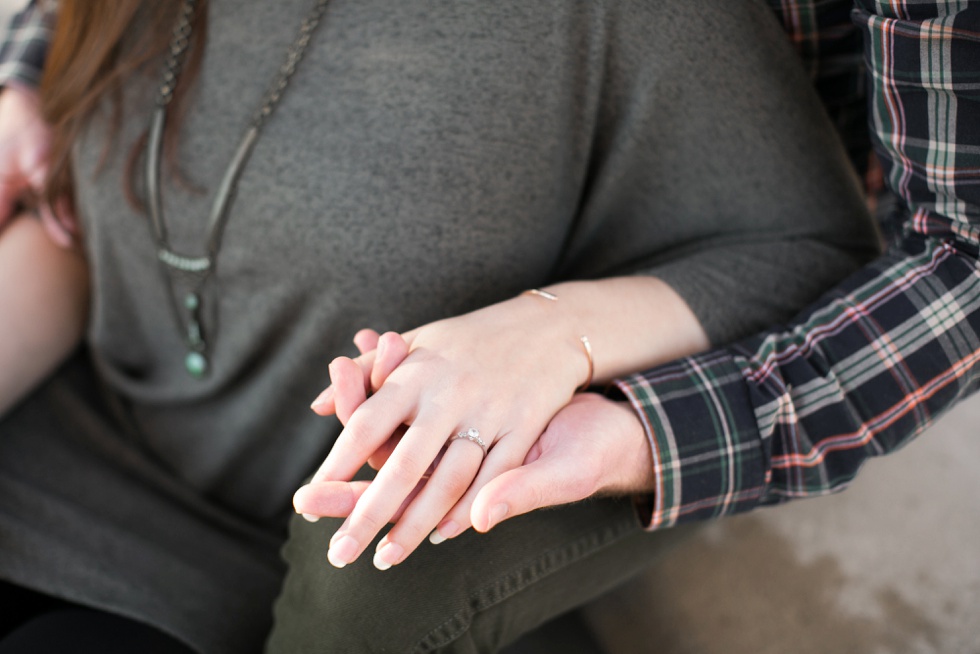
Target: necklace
x,y
187,276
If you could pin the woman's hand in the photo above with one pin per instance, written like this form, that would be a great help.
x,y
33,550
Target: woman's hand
x,y
24,142
593,445
481,370
505,371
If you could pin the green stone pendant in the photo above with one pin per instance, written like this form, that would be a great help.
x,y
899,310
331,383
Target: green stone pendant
x,y
195,361
196,364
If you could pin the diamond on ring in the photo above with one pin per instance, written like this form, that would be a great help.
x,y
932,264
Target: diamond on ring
x,y
473,436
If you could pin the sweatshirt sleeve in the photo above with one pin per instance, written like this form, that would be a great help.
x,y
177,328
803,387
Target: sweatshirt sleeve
x,y
715,168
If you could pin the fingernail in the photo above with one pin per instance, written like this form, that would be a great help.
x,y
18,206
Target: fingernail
x,y
388,556
309,517
322,398
342,552
497,513
443,532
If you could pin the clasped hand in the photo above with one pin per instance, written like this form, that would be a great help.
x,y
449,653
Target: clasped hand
x,y
24,143
478,371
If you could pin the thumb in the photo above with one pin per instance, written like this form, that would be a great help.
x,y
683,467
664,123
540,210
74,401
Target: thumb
x,y
550,480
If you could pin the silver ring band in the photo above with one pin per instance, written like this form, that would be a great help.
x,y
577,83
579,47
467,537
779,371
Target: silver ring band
x,y
473,436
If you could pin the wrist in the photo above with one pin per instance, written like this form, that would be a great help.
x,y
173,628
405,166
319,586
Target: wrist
x,y
634,465
562,334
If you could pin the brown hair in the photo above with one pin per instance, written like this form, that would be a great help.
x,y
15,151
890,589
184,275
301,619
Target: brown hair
x,y
98,45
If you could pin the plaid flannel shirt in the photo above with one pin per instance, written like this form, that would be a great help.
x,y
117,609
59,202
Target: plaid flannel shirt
x,y
25,46
797,410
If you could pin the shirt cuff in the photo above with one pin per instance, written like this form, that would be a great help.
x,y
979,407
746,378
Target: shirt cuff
x,y
708,457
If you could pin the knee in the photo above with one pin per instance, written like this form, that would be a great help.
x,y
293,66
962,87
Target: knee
x,y
354,609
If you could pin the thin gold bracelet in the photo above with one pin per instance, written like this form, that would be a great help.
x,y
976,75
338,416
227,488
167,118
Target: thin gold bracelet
x,y
586,344
545,294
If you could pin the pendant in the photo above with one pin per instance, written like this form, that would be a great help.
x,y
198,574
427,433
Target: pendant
x,y
195,362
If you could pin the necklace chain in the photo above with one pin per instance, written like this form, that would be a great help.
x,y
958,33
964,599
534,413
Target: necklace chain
x,y
195,271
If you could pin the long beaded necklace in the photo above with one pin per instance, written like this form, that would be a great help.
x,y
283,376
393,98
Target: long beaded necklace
x,y
191,273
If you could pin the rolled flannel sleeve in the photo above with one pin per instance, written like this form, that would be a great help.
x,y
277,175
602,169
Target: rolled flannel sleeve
x,y
25,45
797,410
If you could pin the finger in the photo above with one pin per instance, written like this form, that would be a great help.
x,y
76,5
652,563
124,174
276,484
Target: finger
x,y
348,387
383,453
366,340
325,403
451,478
392,350
507,454
376,419
554,478
390,487
336,499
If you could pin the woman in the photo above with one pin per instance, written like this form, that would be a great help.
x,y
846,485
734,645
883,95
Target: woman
x,y
421,163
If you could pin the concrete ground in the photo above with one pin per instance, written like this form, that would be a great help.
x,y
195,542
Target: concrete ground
x,y
892,565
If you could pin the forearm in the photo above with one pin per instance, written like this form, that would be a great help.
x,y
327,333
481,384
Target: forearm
x,y
630,322
43,305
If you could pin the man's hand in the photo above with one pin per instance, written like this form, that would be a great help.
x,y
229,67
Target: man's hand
x,y
24,143
594,446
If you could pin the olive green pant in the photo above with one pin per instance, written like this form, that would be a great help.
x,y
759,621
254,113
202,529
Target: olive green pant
x,y
475,593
